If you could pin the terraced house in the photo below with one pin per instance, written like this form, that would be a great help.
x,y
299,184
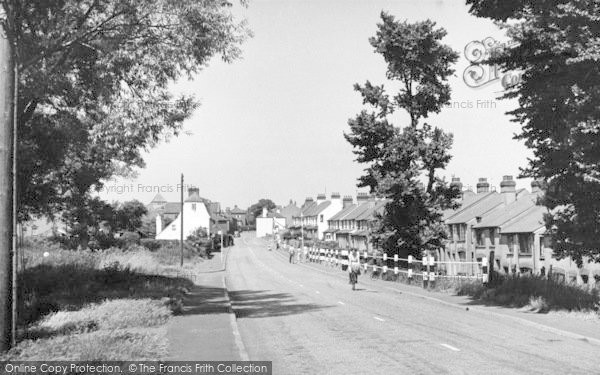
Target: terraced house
x,y
507,227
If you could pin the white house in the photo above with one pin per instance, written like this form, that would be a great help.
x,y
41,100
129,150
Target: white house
x,y
269,223
195,215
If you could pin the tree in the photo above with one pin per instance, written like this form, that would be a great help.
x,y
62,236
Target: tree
x,y
256,209
556,48
402,161
94,86
129,215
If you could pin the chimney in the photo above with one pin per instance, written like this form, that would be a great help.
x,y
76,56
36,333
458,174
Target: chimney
x,y
362,197
264,212
508,190
321,198
193,191
536,186
335,196
456,183
483,186
347,201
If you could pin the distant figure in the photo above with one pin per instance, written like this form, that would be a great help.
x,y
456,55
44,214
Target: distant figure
x,y
353,267
305,254
292,255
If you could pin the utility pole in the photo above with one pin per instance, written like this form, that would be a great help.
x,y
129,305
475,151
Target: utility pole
x,y
7,80
181,229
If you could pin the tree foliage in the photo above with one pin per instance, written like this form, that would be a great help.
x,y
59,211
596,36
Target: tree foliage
x,y
556,48
256,209
94,80
402,161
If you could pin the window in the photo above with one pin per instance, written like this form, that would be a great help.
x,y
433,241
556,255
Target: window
x,y
479,240
321,218
450,232
507,239
193,206
492,236
525,243
461,231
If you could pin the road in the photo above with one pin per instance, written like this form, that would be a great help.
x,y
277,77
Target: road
x,y
309,321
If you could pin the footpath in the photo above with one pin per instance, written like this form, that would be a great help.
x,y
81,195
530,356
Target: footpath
x,y
581,326
206,330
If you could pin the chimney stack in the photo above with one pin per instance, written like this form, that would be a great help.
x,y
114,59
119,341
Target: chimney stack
x,y
362,197
264,212
335,196
483,186
508,189
456,183
347,201
193,191
536,186
321,198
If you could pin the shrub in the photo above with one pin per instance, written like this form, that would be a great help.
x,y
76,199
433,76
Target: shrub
x,y
129,238
150,244
521,291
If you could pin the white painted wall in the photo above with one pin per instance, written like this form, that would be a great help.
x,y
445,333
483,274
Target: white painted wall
x,y
335,207
264,226
195,215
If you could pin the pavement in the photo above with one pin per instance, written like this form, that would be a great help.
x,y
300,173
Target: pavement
x,y
206,330
307,320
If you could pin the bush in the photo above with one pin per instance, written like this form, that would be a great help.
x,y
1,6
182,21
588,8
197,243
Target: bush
x,y
150,244
129,238
546,293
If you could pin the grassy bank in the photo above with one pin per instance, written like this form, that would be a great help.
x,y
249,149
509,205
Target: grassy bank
x,y
111,304
539,293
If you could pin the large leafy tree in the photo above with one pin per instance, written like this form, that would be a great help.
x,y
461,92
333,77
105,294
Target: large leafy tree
x,y
556,48
94,80
256,209
403,161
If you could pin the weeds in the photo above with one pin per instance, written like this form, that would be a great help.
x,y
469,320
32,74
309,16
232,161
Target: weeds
x,y
540,293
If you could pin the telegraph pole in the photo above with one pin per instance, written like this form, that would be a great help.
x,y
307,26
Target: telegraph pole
x,y
181,229
7,80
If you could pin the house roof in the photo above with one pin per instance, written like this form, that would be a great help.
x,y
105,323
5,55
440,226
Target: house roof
x,y
466,201
158,199
196,198
275,214
506,214
345,211
361,209
490,201
237,210
172,208
531,221
306,208
317,208
374,206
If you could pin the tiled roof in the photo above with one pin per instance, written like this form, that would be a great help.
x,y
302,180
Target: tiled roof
x,y
466,201
345,211
370,213
531,221
196,198
361,209
506,214
307,207
158,199
478,208
172,208
237,210
317,208
275,214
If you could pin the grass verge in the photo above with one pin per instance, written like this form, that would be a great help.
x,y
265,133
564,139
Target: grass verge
x,y
539,293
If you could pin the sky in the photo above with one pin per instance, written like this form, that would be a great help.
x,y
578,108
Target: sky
x,y
271,124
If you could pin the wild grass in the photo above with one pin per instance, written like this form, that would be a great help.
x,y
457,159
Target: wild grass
x,y
540,293
109,304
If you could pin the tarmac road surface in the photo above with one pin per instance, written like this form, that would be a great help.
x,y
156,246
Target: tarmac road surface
x,y
308,321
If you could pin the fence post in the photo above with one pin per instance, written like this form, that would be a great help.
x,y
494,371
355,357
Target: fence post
x,y
491,267
426,278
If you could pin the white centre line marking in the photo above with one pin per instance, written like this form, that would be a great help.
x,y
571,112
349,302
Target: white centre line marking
x,y
341,303
377,318
301,285
450,347
316,291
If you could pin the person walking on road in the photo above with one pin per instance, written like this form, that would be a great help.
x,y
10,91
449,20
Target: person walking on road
x,y
292,254
353,267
